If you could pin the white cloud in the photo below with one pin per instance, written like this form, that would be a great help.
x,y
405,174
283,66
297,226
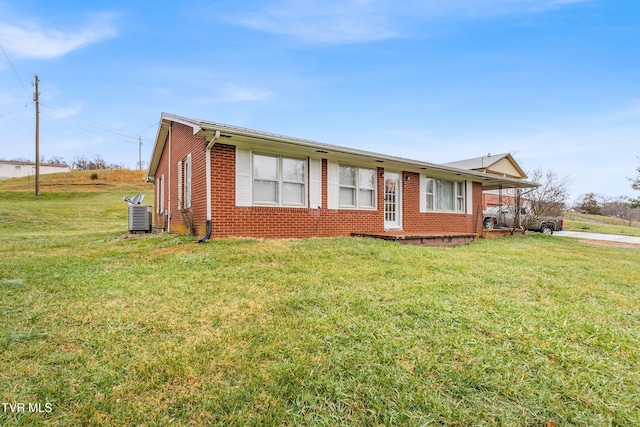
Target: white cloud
x,y
234,92
59,113
358,21
326,22
40,40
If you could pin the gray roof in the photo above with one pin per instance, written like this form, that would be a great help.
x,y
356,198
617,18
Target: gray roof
x,y
484,163
477,162
240,136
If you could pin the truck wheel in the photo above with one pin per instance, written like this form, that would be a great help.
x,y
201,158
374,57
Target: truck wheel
x,y
546,230
489,224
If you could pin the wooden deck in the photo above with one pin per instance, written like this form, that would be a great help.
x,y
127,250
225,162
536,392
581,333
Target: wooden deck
x,y
501,232
436,239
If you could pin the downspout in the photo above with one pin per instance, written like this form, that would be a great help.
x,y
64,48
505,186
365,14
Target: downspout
x,y
168,211
210,145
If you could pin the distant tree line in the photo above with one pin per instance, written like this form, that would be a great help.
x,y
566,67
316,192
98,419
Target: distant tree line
x,y
81,163
621,207
84,164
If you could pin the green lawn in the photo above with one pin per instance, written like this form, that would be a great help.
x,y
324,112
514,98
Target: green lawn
x,y
590,227
575,221
158,330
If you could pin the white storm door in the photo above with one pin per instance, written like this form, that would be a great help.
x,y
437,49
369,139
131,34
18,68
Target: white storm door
x,y
392,201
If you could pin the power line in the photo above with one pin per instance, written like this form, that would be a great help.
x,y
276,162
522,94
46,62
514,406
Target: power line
x,y
14,71
91,125
14,111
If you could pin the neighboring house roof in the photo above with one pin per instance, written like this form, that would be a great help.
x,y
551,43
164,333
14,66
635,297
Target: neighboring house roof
x,y
497,164
21,163
244,137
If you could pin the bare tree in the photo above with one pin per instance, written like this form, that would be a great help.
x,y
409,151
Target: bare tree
x,y
589,204
55,160
98,163
635,184
550,197
620,207
80,163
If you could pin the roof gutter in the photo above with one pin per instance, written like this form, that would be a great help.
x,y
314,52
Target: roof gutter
x,y
489,181
209,146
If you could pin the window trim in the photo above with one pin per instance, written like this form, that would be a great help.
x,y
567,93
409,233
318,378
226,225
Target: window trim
x,y
459,195
280,181
357,188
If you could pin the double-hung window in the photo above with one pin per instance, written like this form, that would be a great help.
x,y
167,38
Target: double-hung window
x,y
184,183
279,180
443,195
357,187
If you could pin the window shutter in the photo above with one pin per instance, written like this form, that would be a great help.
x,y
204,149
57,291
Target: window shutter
x,y
158,195
162,193
315,183
243,177
187,181
423,193
469,197
180,205
333,179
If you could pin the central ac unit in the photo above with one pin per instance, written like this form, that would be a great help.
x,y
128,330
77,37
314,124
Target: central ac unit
x,y
139,218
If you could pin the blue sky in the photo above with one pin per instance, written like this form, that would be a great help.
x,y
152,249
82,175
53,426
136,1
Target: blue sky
x,y
554,82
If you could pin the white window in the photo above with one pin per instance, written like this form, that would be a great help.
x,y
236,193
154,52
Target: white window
x,y
442,195
279,180
357,187
429,191
459,196
184,183
18,167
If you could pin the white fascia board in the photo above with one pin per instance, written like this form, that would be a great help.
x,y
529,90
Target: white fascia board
x,y
161,137
247,137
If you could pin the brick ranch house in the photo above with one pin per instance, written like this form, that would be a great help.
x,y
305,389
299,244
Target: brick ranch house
x,y
217,180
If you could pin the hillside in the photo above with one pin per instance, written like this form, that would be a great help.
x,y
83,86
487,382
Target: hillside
x,y
96,180
73,202
575,221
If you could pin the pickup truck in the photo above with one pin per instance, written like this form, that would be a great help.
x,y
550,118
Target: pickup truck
x,y
504,217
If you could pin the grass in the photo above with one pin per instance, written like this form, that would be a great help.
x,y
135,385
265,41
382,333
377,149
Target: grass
x,y
575,221
111,329
578,216
590,227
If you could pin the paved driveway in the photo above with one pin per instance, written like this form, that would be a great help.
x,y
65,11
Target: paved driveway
x,y
598,236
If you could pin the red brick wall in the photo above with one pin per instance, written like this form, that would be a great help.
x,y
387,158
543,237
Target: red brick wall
x,y
266,221
181,143
415,221
492,200
159,219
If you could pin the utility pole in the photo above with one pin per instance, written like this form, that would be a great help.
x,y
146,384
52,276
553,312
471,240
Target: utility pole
x,y
36,98
140,152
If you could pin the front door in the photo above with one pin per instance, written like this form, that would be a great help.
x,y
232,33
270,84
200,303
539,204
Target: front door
x,y
392,201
